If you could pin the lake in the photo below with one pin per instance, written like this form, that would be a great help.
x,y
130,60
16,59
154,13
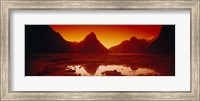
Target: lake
x,y
100,65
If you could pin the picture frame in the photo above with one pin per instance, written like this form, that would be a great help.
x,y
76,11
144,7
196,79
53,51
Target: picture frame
x,y
7,6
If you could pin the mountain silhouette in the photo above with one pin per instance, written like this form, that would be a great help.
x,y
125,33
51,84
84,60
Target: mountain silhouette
x,y
133,45
165,43
43,39
90,44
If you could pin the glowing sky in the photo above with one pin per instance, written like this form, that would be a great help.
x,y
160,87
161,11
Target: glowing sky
x,y
108,35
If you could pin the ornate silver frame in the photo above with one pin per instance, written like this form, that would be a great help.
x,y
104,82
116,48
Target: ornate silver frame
x,y
8,5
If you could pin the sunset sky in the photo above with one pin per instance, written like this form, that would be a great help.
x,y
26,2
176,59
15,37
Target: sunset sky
x,y
108,35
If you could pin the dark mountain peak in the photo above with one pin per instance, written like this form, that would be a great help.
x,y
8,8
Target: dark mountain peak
x,y
92,33
133,39
91,36
91,45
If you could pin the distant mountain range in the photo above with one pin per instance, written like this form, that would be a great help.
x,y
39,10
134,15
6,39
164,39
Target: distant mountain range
x,y
43,39
133,45
165,43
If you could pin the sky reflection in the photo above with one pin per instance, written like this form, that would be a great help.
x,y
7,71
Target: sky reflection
x,y
111,70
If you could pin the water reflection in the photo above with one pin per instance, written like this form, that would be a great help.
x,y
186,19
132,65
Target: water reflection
x,y
91,68
111,70
145,72
112,73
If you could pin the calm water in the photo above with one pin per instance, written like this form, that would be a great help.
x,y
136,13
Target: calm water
x,y
110,70
100,65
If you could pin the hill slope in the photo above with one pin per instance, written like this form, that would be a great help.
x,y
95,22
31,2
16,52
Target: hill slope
x,y
165,43
43,39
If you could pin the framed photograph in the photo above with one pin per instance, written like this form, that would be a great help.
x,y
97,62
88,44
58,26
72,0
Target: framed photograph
x,y
100,50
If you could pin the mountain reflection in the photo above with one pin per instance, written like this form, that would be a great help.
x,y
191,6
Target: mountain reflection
x,y
112,70
91,68
112,73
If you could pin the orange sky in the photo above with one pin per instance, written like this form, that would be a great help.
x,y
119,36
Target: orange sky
x,y
108,35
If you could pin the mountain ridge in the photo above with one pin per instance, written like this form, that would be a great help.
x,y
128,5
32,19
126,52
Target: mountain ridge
x,y
134,45
43,39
